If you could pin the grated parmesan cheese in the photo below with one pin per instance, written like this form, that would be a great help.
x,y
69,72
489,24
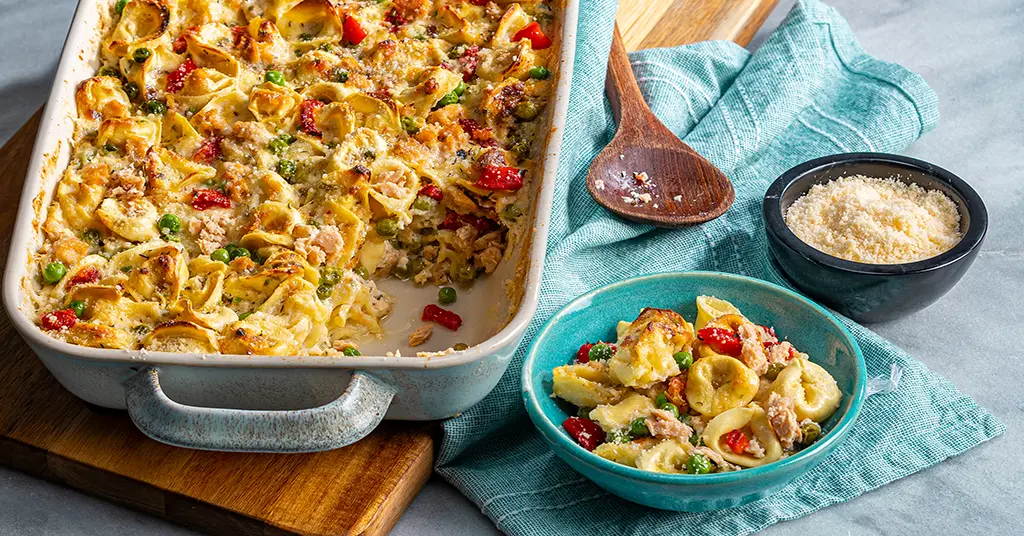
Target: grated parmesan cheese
x,y
875,221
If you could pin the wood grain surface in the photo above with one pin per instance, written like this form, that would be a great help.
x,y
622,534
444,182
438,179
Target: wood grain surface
x,y
361,489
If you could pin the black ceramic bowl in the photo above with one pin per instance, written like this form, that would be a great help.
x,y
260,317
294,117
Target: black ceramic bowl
x,y
872,292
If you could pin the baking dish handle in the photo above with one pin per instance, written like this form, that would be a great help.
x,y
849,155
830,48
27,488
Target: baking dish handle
x,y
349,418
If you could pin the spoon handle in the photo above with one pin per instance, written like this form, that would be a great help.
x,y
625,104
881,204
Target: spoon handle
x,y
620,84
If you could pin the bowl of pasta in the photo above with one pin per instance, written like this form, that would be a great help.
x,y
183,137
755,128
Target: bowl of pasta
x,y
693,391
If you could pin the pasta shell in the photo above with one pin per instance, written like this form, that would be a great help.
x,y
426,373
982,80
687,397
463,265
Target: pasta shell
x,y
101,97
586,385
752,420
813,390
624,453
718,383
669,456
710,308
97,336
182,337
141,20
132,219
644,354
618,416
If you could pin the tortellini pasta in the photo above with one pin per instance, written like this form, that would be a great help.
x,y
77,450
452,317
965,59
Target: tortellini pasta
x,y
813,390
242,173
664,400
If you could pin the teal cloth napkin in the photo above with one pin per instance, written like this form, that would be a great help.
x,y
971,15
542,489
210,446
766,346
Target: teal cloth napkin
x,y
808,91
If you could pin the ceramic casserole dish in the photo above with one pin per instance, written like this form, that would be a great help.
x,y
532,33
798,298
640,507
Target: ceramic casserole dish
x,y
258,403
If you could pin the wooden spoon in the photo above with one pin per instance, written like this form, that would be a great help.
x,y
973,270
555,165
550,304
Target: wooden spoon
x,y
646,159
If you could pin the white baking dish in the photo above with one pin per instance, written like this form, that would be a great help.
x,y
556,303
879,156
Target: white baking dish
x,y
284,404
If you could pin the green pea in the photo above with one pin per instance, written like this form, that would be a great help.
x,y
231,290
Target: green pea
x,y
671,408
447,295
619,436
323,292
126,269
460,89
54,272
277,146
141,55
387,227
540,72
460,346
583,413
350,351
107,70
274,77
339,75
306,37
244,315
326,47
683,359
416,266
511,212
330,278
638,427
526,111
286,168
110,147
600,352
521,148
422,203
155,107
466,274
686,419
235,252
811,432
169,224
78,306
449,98
362,272
220,255
401,272
660,399
131,89
92,236
409,125
287,138
698,464
773,370
119,6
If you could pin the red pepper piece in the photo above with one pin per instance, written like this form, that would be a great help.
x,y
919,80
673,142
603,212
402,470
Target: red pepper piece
x,y
500,178
721,340
353,32
307,116
176,78
58,320
481,224
451,222
208,151
536,36
479,2
89,274
179,46
583,354
737,441
204,199
432,192
448,319
584,431
395,19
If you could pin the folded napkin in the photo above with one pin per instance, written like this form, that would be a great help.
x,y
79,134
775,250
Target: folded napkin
x,y
809,91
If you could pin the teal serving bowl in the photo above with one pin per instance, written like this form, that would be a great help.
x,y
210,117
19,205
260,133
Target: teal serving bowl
x,y
593,316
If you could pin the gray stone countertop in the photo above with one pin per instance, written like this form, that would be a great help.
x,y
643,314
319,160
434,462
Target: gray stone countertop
x,y
972,54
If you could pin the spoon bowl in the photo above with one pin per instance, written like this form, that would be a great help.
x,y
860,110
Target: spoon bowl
x,y
647,174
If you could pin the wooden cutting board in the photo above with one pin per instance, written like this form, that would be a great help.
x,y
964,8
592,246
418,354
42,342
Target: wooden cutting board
x,y
361,489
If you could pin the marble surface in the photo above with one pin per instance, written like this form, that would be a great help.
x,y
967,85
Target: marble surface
x,y
972,53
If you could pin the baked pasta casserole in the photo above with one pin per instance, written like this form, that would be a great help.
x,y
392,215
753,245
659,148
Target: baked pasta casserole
x,y
673,397
243,171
